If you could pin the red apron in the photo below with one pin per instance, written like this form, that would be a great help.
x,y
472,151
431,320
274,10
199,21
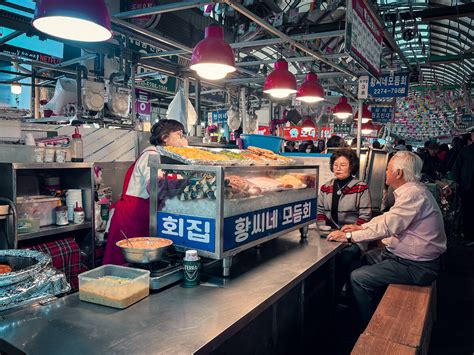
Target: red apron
x,y
132,216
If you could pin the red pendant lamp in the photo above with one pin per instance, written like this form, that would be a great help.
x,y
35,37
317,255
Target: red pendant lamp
x,y
213,58
308,123
280,82
311,90
367,128
342,110
84,20
366,114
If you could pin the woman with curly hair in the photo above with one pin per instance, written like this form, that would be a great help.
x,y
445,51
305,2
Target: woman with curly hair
x,y
344,200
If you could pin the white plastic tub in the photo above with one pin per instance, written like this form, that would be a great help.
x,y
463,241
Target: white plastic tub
x,y
42,207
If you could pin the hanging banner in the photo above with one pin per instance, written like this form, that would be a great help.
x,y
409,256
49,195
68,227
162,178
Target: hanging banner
x,y
389,85
382,114
364,36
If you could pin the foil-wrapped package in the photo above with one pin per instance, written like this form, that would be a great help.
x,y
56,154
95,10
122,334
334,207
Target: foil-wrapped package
x,y
33,279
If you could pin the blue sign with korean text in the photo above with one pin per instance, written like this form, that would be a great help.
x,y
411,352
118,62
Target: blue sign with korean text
x,y
389,85
188,231
467,118
382,114
248,227
219,116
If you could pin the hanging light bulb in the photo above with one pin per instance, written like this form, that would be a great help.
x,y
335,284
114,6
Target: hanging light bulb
x,y
342,110
16,89
308,123
84,20
366,114
280,82
213,58
311,90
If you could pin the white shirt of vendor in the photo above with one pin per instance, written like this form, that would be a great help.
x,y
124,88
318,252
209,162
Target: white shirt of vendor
x,y
141,175
414,222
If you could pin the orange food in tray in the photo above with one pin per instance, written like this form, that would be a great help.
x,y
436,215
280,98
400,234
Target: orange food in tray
x,y
5,269
196,153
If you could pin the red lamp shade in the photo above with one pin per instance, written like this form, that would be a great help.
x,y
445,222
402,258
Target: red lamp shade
x,y
368,128
308,123
366,114
342,110
213,58
84,20
311,90
280,82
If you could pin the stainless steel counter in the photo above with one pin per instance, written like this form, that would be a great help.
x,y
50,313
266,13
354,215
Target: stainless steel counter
x,y
176,320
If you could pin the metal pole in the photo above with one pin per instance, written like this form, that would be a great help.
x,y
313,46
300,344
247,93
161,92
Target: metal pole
x,y
359,129
186,98
198,103
264,24
134,96
243,105
33,92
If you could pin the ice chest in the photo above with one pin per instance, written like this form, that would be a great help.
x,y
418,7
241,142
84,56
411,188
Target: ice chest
x,y
42,207
114,286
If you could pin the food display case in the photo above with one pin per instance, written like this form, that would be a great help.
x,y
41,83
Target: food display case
x,y
221,210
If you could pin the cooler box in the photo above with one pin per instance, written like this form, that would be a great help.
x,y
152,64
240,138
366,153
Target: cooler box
x,y
266,142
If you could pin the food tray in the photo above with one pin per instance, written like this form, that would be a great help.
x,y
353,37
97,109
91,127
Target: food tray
x,y
114,286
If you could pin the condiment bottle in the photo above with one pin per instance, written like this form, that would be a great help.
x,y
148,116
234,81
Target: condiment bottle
x,y
191,268
61,215
78,214
77,150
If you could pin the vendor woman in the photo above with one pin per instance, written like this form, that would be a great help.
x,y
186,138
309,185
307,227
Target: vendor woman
x,y
131,214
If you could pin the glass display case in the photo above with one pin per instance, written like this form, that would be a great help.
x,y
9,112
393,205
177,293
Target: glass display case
x,y
222,210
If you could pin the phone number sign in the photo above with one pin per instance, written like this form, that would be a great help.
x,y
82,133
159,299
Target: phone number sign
x,y
389,85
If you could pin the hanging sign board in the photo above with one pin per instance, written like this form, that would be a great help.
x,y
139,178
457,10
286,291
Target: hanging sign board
x,y
342,129
363,89
364,36
389,85
298,133
28,53
217,117
382,114
143,105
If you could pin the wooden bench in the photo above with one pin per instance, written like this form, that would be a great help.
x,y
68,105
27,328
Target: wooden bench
x,y
403,318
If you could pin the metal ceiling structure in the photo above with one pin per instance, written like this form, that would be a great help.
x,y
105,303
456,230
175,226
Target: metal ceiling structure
x,y
440,45
440,52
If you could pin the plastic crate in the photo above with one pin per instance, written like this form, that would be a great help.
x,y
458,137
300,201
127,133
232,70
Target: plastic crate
x,y
266,142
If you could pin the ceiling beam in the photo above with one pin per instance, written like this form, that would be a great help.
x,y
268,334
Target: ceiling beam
x,y
434,14
259,43
264,24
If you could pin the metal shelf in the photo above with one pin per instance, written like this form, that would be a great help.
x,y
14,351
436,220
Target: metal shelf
x,y
36,166
53,229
